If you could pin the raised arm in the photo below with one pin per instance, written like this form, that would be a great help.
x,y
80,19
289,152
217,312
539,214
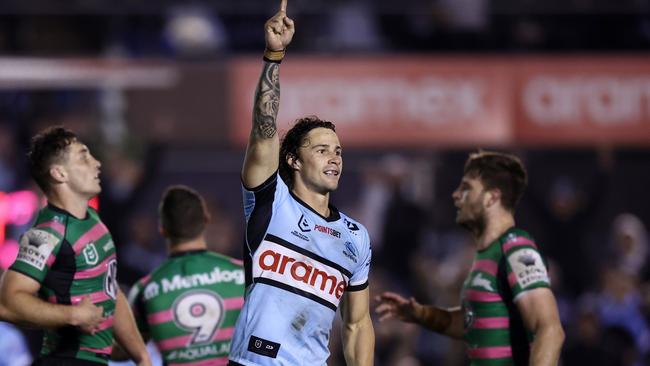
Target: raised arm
x,y
444,321
262,153
20,304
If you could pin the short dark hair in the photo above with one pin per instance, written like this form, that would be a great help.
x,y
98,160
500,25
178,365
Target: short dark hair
x,y
183,214
46,148
294,139
502,171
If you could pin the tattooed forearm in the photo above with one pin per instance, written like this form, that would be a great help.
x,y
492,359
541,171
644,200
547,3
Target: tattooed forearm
x,y
267,102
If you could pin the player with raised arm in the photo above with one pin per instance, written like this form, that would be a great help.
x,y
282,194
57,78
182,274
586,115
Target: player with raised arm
x,y
64,278
189,304
508,314
303,258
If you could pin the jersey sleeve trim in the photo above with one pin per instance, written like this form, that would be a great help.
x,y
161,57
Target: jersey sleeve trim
x,y
528,289
30,275
360,287
267,182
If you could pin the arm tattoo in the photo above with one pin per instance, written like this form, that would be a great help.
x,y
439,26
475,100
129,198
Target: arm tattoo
x,y
267,102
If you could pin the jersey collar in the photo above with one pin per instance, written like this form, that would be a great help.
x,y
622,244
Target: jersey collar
x,y
334,212
187,252
62,211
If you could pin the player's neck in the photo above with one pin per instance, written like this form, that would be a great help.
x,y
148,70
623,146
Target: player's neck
x,y
494,228
319,202
73,204
188,246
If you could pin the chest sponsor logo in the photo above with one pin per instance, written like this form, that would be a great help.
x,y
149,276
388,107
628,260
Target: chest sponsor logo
x,y
528,267
278,263
90,254
350,252
327,230
35,247
480,281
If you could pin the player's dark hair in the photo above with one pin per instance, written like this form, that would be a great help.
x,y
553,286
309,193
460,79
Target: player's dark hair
x,y
183,214
501,171
48,147
294,139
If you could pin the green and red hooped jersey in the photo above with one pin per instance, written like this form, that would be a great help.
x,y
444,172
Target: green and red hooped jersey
x,y
189,306
72,258
494,331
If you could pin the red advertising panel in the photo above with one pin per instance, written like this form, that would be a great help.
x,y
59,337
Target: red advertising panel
x,y
453,101
395,101
583,100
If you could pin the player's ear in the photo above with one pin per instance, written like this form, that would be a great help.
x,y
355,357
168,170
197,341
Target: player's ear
x,y
161,229
293,162
492,197
58,173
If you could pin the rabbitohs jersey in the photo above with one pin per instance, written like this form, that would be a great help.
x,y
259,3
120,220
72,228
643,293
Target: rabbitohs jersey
x,y
298,266
501,273
72,259
189,306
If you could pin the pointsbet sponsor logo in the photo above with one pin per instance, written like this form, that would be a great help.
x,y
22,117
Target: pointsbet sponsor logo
x,y
178,282
327,230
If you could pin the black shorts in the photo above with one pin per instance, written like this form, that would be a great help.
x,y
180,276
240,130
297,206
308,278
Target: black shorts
x,y
233,363
64,361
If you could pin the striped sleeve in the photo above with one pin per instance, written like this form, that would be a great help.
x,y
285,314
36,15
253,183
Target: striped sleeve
x,y
526,268
38,250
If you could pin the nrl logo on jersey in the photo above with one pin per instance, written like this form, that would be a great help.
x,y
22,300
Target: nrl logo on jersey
x,y
90,254
303,224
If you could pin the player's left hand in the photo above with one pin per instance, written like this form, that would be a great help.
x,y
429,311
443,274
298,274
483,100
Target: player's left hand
x,y
279,29
392,305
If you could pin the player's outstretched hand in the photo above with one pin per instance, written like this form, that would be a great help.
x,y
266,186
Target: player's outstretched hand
x,y
392,305
279,29
87,315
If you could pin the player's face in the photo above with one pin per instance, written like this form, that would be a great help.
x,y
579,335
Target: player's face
x,y
83,170
320,160
469,201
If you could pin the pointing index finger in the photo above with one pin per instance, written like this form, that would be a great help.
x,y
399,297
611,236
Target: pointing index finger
x,y
283,6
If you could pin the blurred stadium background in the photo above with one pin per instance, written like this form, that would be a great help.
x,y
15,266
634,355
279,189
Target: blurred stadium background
x,y
162,93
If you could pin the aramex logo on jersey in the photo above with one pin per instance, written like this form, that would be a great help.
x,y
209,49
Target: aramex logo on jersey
x,y
281,264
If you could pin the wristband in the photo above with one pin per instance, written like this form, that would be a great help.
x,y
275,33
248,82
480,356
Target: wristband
x,y
273,56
